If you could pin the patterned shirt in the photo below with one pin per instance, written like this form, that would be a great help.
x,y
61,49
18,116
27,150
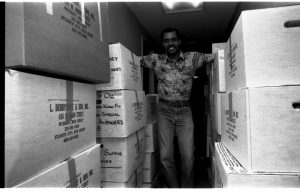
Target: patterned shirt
x,y
175,78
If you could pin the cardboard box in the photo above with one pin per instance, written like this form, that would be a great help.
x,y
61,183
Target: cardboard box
x,y
217,113
218,77
58,38
151,137
151,102
120,112
229,173
135,181
151,166
209,76
218,46
260,127
121,156
263,49
46,121
125,70
156,183
79,171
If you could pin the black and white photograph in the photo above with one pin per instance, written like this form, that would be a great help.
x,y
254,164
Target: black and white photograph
x,y
151,94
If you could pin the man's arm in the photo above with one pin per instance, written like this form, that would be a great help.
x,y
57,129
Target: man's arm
x,y
205,59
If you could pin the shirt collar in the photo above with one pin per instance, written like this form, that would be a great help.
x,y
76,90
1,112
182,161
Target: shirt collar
x,y
181,57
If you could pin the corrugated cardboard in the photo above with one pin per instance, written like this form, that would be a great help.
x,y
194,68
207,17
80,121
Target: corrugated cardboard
x,y
121,156
79,171
57,38
120,112
260,127
263,50
46,121
229,173
125,70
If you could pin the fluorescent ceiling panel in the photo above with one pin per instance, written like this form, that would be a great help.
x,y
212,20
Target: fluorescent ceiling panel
x,y
179,7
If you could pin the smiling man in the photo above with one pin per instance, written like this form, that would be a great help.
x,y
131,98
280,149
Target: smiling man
x,y
175,71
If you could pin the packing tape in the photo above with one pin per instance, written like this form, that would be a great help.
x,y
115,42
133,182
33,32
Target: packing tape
x,y
137,98
82,12
69,101
72,173
49,8
100,21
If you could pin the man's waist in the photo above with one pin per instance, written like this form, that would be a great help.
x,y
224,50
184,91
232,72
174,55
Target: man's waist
x,y
175,103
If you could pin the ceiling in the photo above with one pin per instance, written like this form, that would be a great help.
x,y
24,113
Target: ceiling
x,y
212,25
208,25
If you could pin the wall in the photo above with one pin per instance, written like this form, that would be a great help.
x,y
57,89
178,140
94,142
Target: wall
x,y
124,27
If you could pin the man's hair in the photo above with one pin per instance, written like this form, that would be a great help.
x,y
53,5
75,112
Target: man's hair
x,y
168,30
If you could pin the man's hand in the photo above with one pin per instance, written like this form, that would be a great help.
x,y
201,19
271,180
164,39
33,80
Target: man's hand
x,y
211,59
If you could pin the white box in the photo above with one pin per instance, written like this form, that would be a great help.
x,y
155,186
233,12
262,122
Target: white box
x,y
151,137
217,113
120,112
151,166
53,37
217,46
121,156
46,121
218,74
79,171
229,173
125,70
260,127
156,183
262,51
151,102
135,181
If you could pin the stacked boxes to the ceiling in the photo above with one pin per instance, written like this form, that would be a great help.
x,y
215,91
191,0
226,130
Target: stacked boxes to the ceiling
x,y
260,113
53,56
121,121
151,163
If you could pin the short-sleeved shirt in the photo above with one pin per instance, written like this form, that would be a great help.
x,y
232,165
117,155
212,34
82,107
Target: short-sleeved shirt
x,y
175,78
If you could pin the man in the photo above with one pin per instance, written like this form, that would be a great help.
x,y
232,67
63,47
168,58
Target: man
x,y
175,71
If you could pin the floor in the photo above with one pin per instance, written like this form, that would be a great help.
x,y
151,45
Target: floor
x,y
202,171
202,174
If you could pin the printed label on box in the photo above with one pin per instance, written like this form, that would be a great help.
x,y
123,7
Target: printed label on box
x,y
70,116
231,118
231,58
75,19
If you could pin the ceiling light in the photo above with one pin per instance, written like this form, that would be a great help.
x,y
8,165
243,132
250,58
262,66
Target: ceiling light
x,y
186,6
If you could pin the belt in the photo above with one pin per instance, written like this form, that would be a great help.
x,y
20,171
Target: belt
x,y
175,103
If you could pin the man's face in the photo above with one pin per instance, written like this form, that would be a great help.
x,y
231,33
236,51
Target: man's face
x,y
171,42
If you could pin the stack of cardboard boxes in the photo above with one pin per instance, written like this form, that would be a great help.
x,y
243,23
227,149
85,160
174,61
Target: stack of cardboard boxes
x,y
151,162
217,88
121,121
260,114
49,118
